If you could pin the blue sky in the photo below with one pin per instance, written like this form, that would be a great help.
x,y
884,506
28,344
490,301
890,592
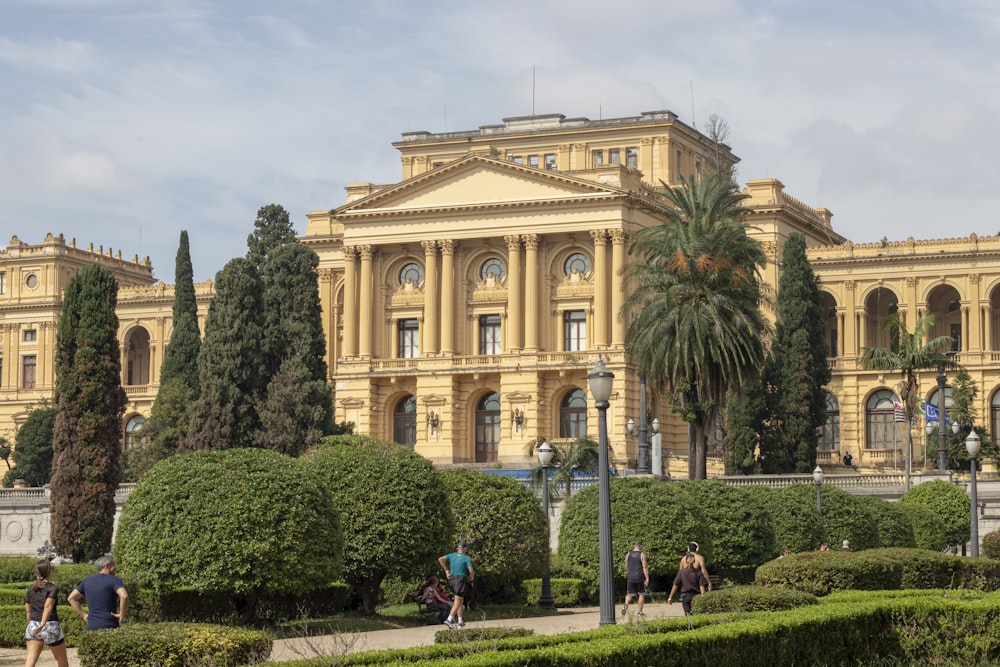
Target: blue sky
x,y
123,122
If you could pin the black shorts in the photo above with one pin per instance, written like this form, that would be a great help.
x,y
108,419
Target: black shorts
x,y
459,586
635,588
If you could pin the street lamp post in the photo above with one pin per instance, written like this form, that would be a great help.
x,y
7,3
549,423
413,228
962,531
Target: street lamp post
x,y
818,476
545,452
643,463
942,455
972,445
601,381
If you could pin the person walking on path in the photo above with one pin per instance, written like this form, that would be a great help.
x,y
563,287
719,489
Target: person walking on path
x,y
103,592
458,569
690,581
637,577
699,562
43,621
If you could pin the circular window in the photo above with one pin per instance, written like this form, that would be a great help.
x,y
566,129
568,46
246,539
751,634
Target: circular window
x,y
411,273
494,266
577,263
31,282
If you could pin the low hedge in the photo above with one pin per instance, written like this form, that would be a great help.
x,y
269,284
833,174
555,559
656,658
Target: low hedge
x,y
15,569
467,635
750,598
195,606
173,645
12,624
565,592
821,573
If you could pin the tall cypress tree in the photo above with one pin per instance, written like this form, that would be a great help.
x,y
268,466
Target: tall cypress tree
x,y
272,229
796,369
88,430
297,410
230,365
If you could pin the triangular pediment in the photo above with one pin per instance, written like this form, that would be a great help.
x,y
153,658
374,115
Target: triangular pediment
x,y
476,180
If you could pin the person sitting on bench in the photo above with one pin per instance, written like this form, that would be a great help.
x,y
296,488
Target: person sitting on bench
x,y
433,596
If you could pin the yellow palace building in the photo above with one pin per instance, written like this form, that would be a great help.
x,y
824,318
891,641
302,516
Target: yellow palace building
x,y
465,305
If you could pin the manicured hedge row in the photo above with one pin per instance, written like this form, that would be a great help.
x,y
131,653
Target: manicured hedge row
x,y
565,592
173,645
12,624
467,635
750,598
821,573
194,606
15,569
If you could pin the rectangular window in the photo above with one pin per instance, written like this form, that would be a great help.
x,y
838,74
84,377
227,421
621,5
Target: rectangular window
x,y
597,158
533,161
614,156
574,331
28,372
30,335
3,282
956,333
489,334
518,159
409,339
632,158
550,161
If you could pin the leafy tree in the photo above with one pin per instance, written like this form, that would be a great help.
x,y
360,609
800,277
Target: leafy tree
x,y
656,512
698,328
928,527
895,527
396,516
797,525
845,517
964,391
795,371
165,430
744,419
230,364
570,458
507,532
272,229
5,451
297,409
88,429
33,448
241,521
908,353
947,501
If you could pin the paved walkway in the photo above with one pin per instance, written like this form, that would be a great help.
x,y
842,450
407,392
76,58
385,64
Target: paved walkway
x,y
566,620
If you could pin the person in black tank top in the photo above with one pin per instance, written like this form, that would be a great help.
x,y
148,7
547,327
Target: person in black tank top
x,y
637,577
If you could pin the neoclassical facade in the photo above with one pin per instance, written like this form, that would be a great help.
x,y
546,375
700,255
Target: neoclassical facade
x,y
465,304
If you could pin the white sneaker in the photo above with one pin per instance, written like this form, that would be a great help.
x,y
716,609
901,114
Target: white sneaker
x,y
461,624
448,622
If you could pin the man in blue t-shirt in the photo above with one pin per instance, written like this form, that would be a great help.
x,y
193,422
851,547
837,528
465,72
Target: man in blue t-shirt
x,y
458,568
102,591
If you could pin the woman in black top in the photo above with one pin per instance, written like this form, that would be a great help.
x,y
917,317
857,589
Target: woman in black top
x,y
43,622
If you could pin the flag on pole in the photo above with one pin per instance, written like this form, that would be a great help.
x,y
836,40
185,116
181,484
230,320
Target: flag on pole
x,y
931,411
898,413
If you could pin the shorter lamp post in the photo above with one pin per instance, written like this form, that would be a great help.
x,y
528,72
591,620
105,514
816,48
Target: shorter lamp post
x,y
601,382
972,445
942,455
545,452
818,476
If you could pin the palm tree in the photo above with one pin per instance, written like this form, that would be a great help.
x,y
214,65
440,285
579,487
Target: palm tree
x,y
698,328
908,353
569,457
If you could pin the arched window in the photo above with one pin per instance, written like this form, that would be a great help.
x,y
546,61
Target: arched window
x,y
829,433
493,266
133,431
577,263
412,274
404,422
573,415
487,428
881,429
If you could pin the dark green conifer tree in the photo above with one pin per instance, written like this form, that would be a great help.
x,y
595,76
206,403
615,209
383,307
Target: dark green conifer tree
x,y
272,229
230,365
796,371
88,430
33,448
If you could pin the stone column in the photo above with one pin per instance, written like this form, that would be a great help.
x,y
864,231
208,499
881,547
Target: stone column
x,y
988,329
350,303
974,315
328,308
447,296
5,375
515,305
532,288
600,237
431,304
850,337
618,238
366,296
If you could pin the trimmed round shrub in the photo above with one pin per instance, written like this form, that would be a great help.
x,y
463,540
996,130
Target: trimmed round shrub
x,y
845,516
174,645
949,502
991,545
396,515
750,598
797,525
741,531
822,572
928,527
507,532
657,512
895,528
239,521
